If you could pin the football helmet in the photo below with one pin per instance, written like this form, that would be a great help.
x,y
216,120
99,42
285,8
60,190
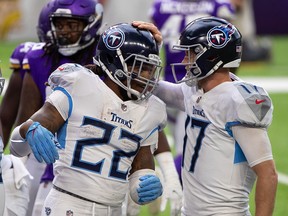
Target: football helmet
x,y
215,43
44,26
123,53
90,11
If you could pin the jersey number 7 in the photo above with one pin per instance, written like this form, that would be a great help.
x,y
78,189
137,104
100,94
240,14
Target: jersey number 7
x,y
194,123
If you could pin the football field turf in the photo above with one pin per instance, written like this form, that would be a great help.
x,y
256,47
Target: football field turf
x,y
278,131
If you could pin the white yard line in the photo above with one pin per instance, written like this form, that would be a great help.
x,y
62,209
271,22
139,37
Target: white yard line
x,y
271,84
282,178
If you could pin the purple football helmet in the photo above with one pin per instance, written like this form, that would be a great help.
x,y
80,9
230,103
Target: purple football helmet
x,y
44,26
90,11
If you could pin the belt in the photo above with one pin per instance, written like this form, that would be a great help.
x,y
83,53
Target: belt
x,y
74,195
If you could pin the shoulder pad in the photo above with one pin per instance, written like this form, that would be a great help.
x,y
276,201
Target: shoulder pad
x,y
257,100
66,74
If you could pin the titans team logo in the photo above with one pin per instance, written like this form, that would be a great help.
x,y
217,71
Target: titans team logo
x,y
114,38
219,36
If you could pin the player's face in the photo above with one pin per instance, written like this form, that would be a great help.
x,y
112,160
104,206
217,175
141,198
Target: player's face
x,y
190,56
144,74
68,30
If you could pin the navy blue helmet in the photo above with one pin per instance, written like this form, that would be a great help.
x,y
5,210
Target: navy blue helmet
x,y
123,52
216,44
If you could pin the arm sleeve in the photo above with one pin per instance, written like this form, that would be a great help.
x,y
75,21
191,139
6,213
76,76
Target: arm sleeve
x,y
171,94
19,147
254,143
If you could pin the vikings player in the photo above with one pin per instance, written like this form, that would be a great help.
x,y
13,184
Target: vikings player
x,y
2,190
10,102
107,130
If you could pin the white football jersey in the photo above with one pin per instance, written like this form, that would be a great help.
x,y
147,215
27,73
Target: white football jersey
x,y
101,135
216,175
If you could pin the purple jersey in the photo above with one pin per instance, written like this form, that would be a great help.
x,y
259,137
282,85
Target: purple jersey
x,y
16,59
48,175
171,16
42,65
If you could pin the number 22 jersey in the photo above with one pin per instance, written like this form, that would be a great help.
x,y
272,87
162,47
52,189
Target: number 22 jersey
x,y
101,135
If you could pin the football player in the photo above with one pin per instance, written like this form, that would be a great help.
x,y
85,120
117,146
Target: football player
x,y
171,17
107,130
226,144
2,190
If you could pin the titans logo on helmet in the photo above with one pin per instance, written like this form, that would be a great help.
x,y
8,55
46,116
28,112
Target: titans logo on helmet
x,y
114,38
219,36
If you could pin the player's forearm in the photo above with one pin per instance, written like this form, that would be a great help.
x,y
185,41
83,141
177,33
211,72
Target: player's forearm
x,y
265,194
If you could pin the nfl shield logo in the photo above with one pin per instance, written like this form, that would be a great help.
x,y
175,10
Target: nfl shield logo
x,y
69,213
47,210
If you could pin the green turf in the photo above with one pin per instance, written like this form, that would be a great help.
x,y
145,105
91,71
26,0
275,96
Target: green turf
x,y
278,66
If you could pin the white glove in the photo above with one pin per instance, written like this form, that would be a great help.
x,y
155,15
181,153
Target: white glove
x,y
172,185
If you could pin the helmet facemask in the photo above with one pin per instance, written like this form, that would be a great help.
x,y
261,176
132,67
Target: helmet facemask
x,y
193,71
62,41
214,44
133,69
92,19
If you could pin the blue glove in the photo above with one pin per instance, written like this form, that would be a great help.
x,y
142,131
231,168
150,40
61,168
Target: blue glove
x,y
42,143
150,188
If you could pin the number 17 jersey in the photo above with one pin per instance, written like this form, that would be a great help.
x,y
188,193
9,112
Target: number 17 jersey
x,y
217,178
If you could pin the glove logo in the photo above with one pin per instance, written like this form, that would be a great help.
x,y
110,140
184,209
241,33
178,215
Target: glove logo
x,y
114,38
219,36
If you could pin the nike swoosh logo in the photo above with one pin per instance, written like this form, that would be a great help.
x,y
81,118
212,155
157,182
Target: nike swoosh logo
x,y
259,101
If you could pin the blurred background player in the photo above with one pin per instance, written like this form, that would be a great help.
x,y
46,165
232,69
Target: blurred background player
x,y
255,48
14,179
69,30
10,101
2,190
82,107
171,17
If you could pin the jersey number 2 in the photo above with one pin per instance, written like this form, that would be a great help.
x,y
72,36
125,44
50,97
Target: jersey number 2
x,y
104,140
